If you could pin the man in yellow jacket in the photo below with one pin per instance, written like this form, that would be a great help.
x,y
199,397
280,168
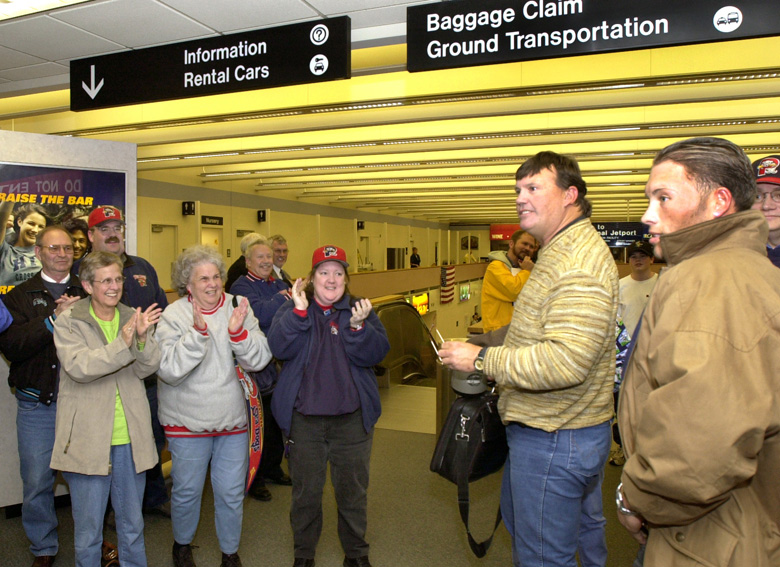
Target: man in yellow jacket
x,y
505,276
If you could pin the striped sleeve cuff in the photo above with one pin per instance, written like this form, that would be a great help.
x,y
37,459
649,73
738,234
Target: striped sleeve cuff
x,y
239,335
204,331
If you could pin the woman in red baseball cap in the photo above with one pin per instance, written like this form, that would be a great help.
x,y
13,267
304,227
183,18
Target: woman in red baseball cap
x,y
327,401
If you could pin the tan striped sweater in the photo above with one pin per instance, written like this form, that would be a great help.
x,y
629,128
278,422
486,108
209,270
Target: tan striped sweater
x,y
556,367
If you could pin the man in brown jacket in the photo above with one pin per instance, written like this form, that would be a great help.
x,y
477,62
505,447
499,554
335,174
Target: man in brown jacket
x,y
699,408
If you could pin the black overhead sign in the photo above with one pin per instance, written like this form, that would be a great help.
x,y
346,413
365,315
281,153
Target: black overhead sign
x,y
287,55
446,35
621,234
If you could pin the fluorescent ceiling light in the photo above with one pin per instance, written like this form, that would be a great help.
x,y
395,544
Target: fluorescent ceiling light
x,y
15,8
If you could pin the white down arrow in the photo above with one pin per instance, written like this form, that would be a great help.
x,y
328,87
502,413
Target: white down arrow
x,y
92,90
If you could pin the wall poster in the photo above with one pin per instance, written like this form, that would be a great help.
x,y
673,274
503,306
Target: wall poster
x,y
32,197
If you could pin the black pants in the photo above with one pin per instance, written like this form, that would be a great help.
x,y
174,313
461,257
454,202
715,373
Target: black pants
x,y
273,443
343,442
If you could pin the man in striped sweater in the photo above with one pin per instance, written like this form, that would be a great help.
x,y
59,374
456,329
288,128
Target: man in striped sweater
x,y
554,372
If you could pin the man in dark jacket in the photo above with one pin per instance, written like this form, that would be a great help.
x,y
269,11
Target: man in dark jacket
x,y
29,346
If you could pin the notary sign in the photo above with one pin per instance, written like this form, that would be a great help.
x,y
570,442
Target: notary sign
x,y
286,55
477,32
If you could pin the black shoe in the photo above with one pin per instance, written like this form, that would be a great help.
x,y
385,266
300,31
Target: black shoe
x,y
258,491
302,562
232,560
357,561
282,479
182,555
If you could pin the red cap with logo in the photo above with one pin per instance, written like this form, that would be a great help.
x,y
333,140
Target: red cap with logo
x,y
329,254
102,214
767,170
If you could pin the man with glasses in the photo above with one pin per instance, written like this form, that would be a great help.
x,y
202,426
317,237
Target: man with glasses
x,y
29,346
767,171
279,247
141,289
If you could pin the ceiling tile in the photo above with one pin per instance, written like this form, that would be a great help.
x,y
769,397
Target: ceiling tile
x,y
34,72
331,7
134,23
50,39
233,15
10,58
377,17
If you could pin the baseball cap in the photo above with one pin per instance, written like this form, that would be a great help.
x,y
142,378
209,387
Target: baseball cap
x,y
641,246
102,214
767,169
329,254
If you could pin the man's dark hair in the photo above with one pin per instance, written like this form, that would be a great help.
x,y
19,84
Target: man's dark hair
x,y
714,162
567,174
516,235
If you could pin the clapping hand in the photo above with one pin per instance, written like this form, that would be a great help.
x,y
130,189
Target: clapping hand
x,y
360,311
128,329
238,316
63,302
298,295
197,317
145,319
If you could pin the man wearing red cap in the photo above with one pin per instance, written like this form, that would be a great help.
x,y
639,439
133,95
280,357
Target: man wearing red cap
x,y
767,172
141,289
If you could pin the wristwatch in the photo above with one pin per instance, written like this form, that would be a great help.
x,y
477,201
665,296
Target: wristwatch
x,y
621,504
479,362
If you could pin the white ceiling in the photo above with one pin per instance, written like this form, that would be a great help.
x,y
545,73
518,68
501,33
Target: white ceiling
x,y
35,51
441,146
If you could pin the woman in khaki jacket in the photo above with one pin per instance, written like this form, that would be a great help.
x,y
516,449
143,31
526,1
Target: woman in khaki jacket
x,y
103,438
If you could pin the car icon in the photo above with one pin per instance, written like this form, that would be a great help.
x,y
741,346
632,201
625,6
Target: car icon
x,y
319,65
722,21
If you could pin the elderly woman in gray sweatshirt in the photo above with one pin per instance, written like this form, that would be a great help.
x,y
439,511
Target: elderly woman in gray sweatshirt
x,y
202,407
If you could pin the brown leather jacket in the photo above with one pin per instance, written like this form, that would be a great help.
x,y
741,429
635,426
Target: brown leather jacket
x,y
700,406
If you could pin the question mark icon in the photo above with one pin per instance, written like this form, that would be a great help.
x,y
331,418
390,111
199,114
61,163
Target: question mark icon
x,y
319,34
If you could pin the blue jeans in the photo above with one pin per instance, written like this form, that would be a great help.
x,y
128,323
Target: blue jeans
x,y
551,495
89,496
190,459
35,424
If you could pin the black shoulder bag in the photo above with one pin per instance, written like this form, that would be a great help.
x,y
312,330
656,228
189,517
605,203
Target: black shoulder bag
x,y
472,445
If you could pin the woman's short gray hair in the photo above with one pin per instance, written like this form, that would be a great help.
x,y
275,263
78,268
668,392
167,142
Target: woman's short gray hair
x,y
254,241
95,260
188,260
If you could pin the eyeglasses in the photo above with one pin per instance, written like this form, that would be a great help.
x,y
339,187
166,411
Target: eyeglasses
x,y
57,248
775,195
106,229
108,281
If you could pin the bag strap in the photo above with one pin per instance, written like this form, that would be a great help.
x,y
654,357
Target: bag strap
x,y
479,548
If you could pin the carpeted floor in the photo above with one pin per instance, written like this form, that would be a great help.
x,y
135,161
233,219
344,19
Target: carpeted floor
x,y
413,515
